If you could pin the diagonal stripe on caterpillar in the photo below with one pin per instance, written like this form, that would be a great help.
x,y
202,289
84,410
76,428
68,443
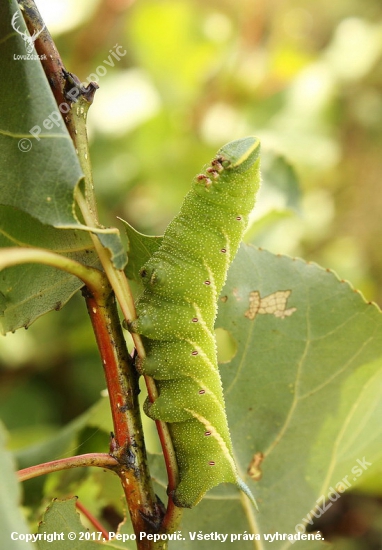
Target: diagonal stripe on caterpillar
x,y
176,314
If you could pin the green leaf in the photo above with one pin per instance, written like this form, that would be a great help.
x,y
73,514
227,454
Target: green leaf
x,y
280,188
11,519
304,386
31,290
40,181
62,518
57,446
279,177
43,169
36,190
265,223
113,243
65,442
21,229
141,248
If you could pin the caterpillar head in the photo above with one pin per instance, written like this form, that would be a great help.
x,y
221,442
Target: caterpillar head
x,y
233,162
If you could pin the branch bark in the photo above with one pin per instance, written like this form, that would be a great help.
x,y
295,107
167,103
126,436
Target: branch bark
x,y
122,384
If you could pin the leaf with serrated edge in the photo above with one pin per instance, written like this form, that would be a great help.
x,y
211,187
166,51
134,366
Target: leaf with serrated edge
x,y
61,518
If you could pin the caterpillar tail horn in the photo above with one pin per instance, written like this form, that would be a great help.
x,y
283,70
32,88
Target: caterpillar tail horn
x,y
246,490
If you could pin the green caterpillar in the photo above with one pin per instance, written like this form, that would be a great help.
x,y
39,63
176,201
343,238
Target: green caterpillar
x,y
176,315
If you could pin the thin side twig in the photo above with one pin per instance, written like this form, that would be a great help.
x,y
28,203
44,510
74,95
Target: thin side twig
x,y
100,460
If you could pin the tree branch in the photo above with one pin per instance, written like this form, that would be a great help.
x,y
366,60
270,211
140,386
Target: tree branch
x,y
122,382
100,460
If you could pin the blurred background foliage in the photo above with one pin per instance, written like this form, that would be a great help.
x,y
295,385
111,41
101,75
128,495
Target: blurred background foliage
x,y
304,76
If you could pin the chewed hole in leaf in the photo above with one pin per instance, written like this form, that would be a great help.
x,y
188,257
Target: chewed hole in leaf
x,y
273,304
226,344
254,468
